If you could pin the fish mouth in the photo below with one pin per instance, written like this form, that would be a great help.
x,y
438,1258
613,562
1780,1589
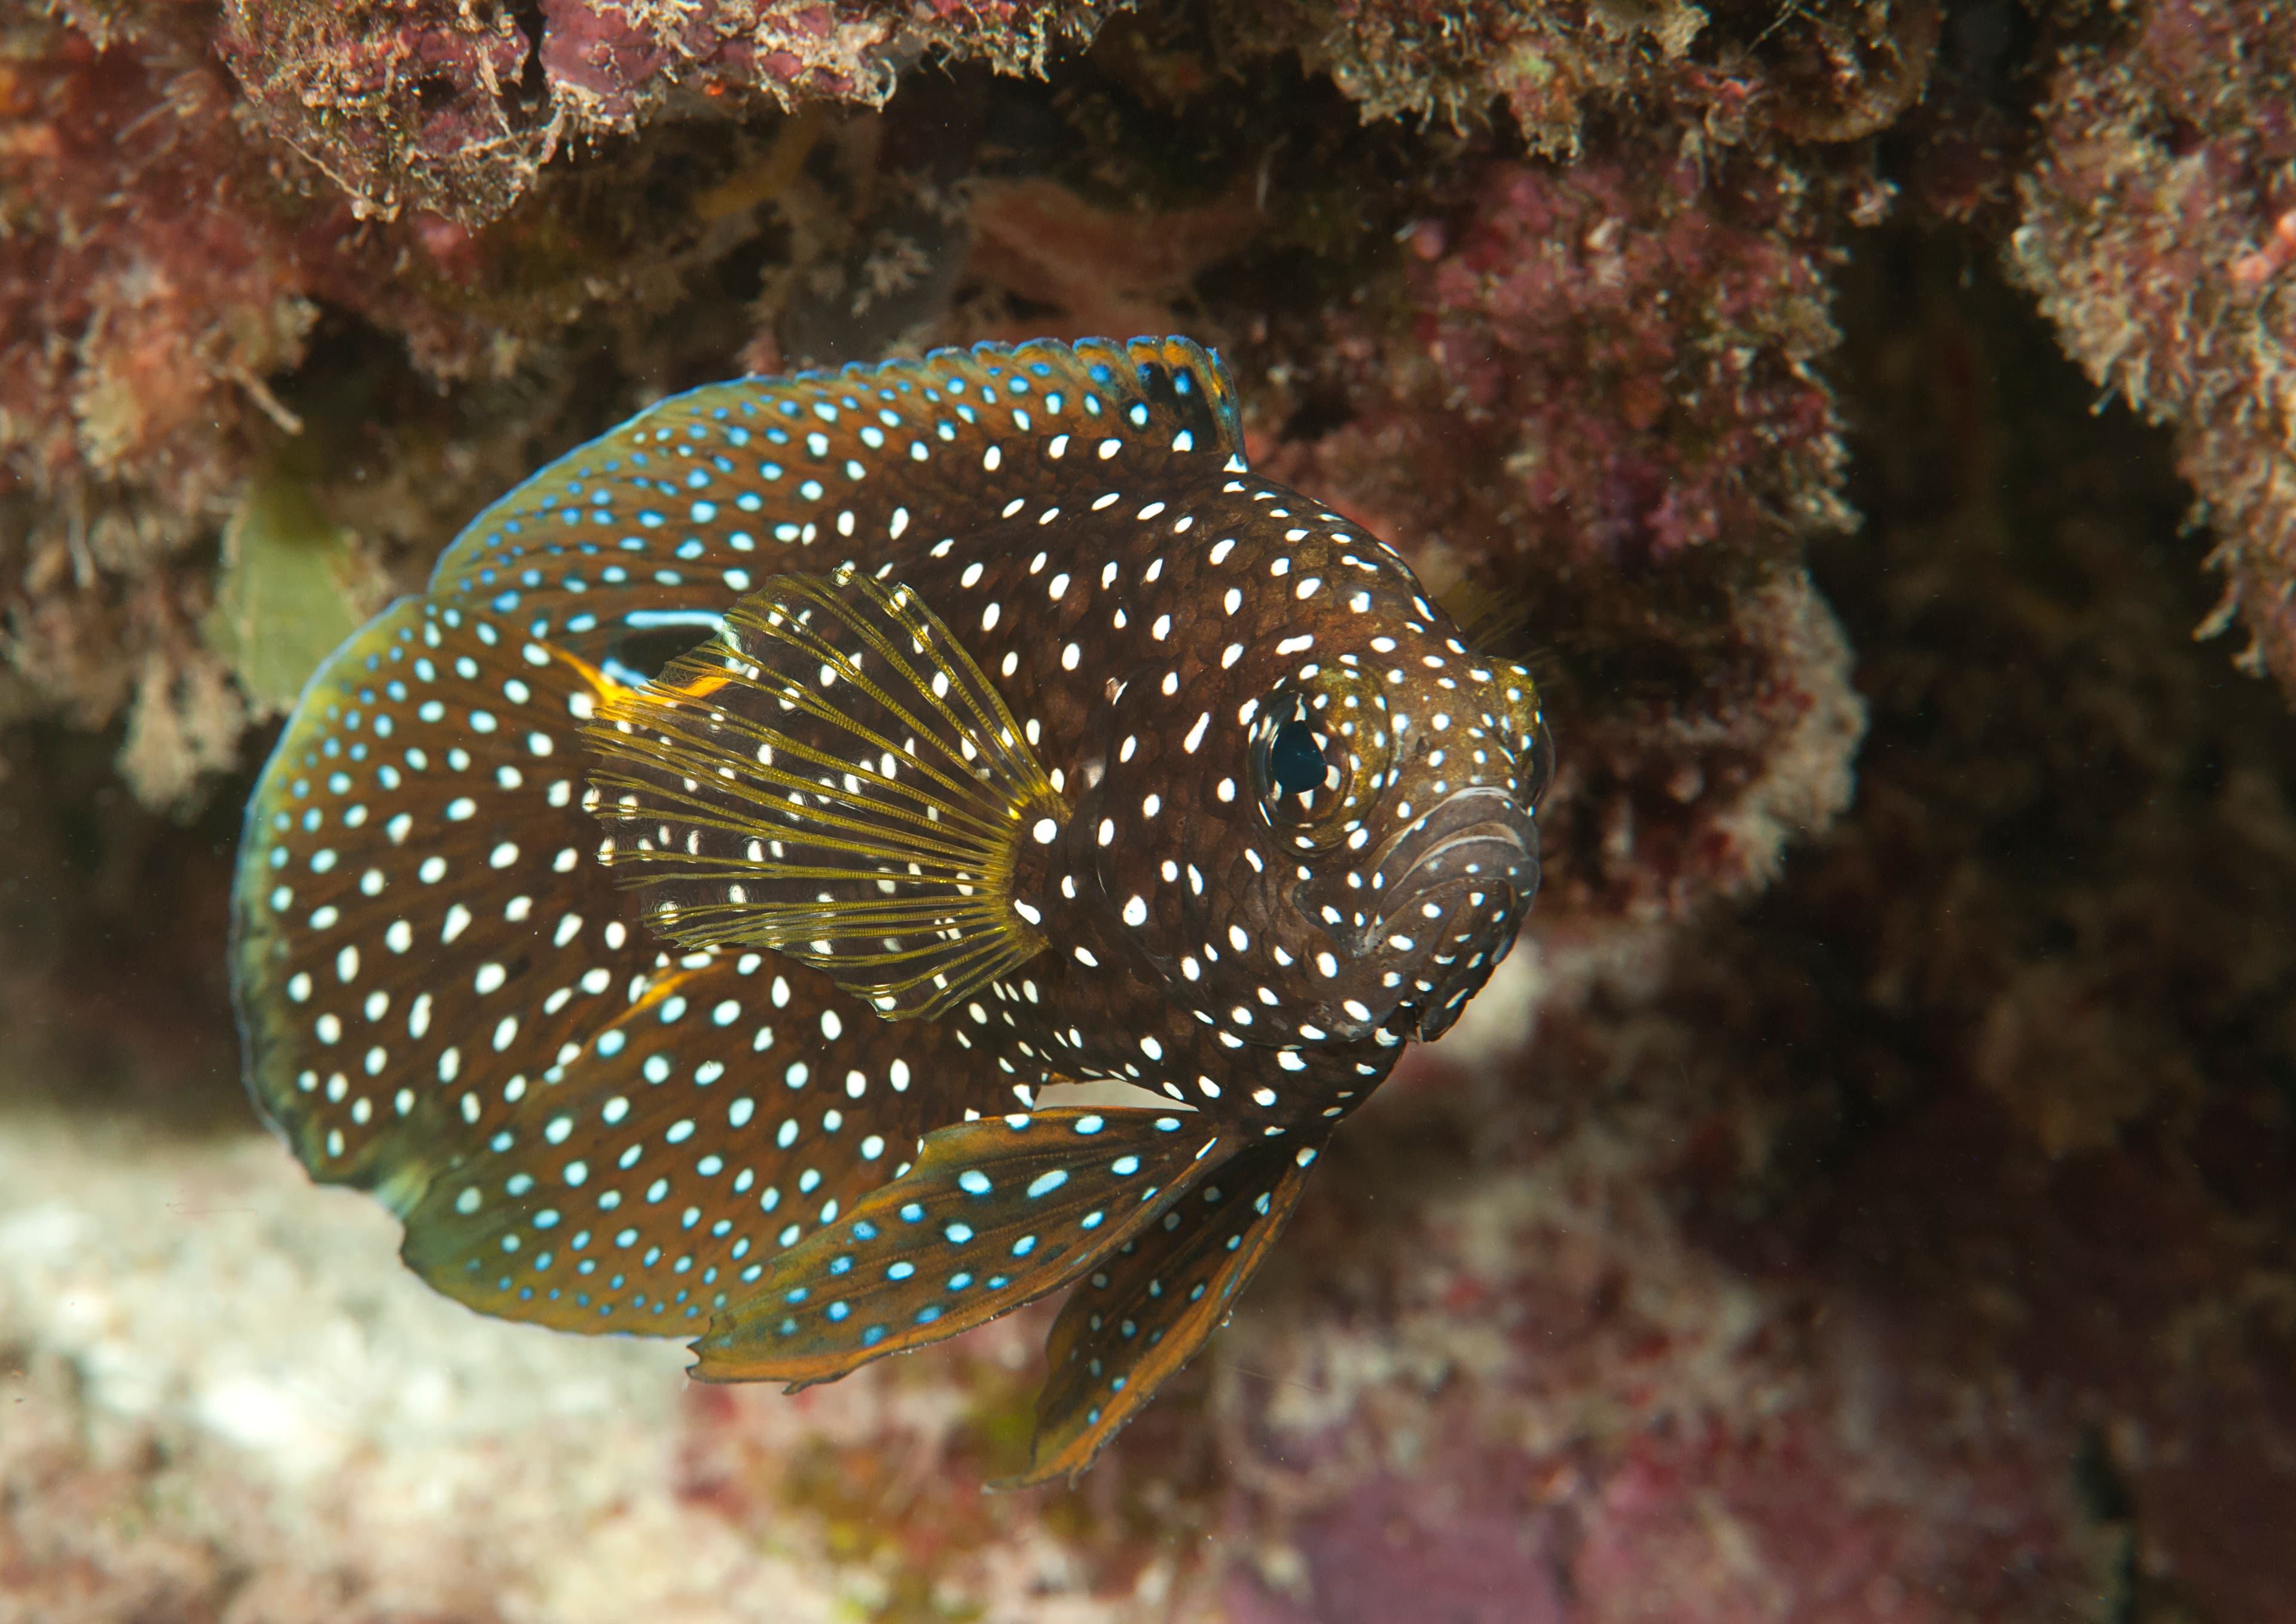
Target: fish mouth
x,y
1437,908
1475,836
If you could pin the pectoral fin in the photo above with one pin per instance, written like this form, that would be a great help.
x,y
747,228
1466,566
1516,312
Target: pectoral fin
x,y
831,778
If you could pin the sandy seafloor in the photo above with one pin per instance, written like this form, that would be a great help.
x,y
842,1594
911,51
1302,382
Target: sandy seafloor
x,y
319,1407
237,1352
220,1385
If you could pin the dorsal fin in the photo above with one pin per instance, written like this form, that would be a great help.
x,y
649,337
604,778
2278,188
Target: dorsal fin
x,y
668,519
831,777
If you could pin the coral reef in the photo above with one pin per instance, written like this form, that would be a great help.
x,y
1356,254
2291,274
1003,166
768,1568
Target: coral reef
x,y
1844,1206
2159,234
1911,1244
1603,401
1711,436
192,212
397,104
139,320
1722,74
454,108
166,270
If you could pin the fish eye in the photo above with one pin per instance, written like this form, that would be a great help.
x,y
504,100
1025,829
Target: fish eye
x,y
1295,758
1320,752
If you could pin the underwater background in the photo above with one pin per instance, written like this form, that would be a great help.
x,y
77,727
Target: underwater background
x,y
1869,1191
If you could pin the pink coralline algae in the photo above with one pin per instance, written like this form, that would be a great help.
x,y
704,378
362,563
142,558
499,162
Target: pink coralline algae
x,y
1813,74
166,267
396,103
1531,1402
103,372
1697,330
454,108
1602,398
144,305
2160,234
188,195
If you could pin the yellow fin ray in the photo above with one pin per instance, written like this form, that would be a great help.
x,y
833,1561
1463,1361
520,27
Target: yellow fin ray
x,y
835,778
1492,619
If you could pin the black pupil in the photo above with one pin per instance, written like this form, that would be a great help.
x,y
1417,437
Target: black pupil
x,y
1294,760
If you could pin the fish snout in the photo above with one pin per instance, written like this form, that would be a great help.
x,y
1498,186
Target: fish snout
x,y
1478,837
1437,907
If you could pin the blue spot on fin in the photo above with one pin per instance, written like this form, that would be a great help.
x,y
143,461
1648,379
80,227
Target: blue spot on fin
x,y
1144,1312
977,1251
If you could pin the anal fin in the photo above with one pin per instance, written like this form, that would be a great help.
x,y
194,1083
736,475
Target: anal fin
x,y
995,1213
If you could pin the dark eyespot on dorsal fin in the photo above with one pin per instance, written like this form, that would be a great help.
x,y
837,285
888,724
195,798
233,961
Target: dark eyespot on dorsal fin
x,y
833,778
679,511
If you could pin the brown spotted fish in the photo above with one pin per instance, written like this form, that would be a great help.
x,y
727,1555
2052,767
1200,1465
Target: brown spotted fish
x,y
675,914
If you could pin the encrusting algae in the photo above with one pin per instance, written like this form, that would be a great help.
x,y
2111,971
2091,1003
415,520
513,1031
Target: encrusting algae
x,y
675,914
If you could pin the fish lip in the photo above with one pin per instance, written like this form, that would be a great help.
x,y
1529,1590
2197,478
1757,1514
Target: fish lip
x,y
1474,836
1477,834
1480,838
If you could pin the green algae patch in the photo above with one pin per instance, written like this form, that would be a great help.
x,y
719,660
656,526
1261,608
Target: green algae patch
x,y
293,587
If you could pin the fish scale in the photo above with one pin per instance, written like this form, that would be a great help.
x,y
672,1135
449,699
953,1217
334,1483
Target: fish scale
x,y
1010,733
399,897
655,1175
